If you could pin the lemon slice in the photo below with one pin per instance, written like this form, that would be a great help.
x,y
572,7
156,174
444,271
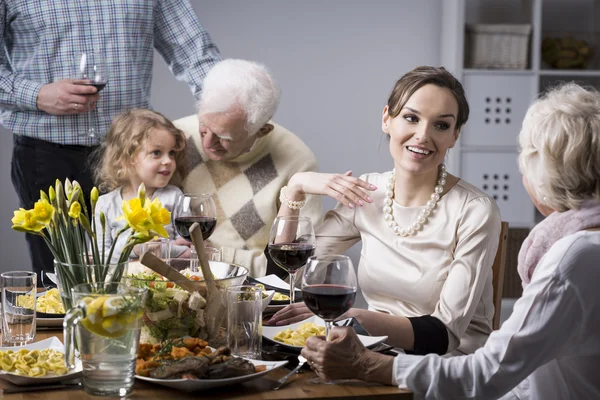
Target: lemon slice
x,y
99,330
94,309
112,325
112,305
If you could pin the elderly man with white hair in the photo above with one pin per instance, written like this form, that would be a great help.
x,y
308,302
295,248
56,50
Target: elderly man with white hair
x,y
243,159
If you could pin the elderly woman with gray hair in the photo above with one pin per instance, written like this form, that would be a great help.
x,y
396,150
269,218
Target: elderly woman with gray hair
x,y
549,348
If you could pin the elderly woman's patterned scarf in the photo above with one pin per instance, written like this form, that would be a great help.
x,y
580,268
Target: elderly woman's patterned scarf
x,y
556,226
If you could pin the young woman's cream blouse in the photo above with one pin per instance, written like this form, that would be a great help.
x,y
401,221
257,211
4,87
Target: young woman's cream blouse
x,y
445,270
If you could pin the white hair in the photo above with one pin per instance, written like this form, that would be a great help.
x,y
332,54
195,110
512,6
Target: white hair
x,y
239,83
560,147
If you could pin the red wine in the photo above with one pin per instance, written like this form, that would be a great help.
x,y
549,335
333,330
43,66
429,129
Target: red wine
x,y
98,85
207,226
291,256
328,301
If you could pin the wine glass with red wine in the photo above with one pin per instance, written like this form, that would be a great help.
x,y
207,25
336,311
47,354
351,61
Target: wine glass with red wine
x,y
329,287
92,70
190,208
291,243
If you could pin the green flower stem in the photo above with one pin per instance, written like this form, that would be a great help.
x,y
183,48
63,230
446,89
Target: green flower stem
x,y
112,247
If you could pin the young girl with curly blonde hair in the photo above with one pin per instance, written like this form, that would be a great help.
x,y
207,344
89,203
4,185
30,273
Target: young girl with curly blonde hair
x,y
142,146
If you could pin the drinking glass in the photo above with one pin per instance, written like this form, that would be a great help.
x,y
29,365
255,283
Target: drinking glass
x,y
92,69
291,243
212,254
244,321
106,324
329,287
190,208
19,290
160,248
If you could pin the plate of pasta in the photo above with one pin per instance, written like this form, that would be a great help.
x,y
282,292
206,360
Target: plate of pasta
x,y
294,336
45,363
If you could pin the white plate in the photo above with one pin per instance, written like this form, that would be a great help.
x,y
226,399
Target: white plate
x,y
267,300
50,343
269,332
52,277
276,281
192,385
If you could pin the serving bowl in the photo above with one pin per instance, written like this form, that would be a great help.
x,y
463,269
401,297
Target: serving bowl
x,y
170,312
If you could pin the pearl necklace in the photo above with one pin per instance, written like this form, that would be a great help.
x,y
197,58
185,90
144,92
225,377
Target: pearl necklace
x,y
425,212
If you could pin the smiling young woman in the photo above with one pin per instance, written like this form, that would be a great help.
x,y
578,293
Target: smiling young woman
x,y
428,238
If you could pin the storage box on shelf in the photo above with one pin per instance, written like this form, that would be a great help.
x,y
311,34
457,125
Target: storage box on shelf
x,y
497,45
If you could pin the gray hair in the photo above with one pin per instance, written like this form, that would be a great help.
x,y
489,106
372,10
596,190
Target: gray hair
x,y
560,147
239,83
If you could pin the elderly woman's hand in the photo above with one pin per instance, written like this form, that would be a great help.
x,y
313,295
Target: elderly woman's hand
x,y
345,357
291,314
339,358
345,188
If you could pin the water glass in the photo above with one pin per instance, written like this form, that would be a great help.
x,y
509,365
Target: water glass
x,y
212,254
19,290
105,322
244,321
159,248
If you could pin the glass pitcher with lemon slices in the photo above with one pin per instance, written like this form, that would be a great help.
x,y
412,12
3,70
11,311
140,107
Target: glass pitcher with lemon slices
x,y
105,324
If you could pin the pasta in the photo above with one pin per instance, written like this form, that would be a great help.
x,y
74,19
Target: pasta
x,y
49,302
277,296
35,363
281,297
298,337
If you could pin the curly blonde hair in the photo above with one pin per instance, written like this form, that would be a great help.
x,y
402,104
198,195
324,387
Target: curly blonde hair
x,y
125,139
560,147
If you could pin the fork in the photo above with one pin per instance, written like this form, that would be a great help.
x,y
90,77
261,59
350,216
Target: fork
x,y
301,361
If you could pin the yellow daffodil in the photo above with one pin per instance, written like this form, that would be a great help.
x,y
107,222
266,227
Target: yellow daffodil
x,y
137,217
75,210
94,195
68,188
26,219
160,217
51,193
63,213
43,211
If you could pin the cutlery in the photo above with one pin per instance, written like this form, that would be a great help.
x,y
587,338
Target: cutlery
x,y
215,309
301,361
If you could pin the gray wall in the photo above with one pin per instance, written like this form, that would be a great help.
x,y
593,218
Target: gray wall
x,y
335,60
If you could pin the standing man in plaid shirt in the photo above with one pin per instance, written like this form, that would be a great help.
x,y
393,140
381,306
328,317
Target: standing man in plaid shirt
x,y
47,110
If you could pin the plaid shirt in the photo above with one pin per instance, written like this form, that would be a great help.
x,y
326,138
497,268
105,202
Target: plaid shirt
x,y
42,41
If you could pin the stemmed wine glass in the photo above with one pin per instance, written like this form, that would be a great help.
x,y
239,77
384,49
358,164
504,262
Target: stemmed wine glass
x,y
190,208
329,287
291,242
92,69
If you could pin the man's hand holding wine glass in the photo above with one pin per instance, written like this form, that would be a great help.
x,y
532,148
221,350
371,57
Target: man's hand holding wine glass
x,y
67,97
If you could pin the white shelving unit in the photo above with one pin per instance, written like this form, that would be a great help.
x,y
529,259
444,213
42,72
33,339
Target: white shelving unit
x,y
486,153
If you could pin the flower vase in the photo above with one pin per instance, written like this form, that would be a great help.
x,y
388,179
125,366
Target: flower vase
x,y
69,275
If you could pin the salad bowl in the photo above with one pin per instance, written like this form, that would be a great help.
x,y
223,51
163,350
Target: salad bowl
x,y
171,311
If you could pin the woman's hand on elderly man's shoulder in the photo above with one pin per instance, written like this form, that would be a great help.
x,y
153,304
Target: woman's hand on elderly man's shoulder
x,y
345,188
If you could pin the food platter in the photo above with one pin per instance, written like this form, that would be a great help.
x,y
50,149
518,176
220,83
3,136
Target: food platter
x,y
192,385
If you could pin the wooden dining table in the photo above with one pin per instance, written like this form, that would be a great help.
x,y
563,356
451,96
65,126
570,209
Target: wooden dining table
x,y
298,386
